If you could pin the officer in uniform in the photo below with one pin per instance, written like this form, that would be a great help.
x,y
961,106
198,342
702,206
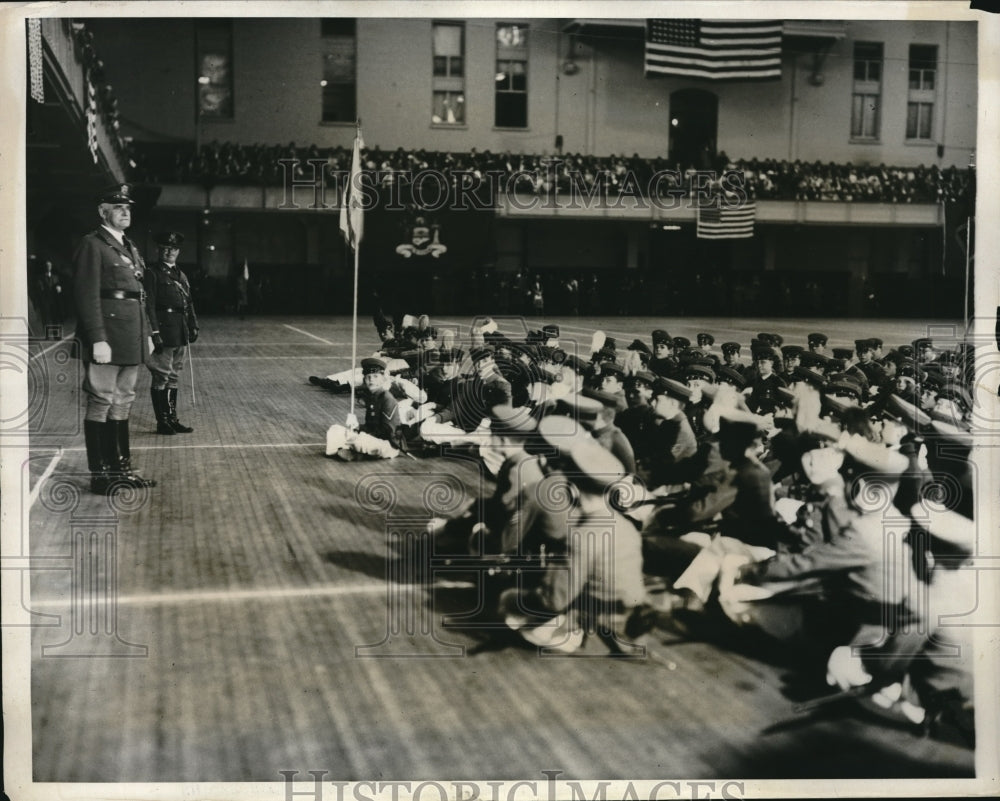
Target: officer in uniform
x,y
171,314
115,337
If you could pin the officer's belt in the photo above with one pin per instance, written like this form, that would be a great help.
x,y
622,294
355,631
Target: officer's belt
x,y
169,310
121,294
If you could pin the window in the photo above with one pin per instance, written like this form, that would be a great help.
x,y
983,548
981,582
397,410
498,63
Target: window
x,y
448,102
339,69
866,100
511,107
215,69
923,80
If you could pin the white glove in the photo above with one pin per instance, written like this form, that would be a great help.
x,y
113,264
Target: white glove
x,y
102,352
152,347
352,422
845,669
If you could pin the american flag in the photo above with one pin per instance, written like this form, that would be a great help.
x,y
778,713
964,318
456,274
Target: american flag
x,y
352,216
91,117
719,221
714,49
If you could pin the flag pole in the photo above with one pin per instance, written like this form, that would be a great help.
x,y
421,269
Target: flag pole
x,y
355,240
194,400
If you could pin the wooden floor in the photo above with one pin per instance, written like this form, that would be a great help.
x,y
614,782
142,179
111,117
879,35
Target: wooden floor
x,y
261,618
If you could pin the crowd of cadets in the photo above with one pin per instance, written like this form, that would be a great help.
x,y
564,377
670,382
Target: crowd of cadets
x,y
816,496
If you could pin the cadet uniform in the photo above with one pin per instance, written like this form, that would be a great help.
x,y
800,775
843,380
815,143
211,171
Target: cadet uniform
x,y
172,317
379,437
115,337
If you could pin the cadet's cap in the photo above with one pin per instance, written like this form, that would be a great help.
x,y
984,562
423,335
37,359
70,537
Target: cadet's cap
x,y
560,431
875,456
948,357
862,345
932,380
816,339
905,351
512,420
606,354
643,375
809,359
595,467
606,399
610,343
956,394
766,353
705,339
905,412
612,368
843,353
801,373
659,336
775,340
372,365
791,351
736,423
639,345
730,376
478,354
115,194
576,364
923,342
551,331
841,386
876,342
695,370
580,407
675,389
730,347
681,342
170,239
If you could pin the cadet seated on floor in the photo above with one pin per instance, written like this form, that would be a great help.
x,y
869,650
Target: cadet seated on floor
x,y
378,438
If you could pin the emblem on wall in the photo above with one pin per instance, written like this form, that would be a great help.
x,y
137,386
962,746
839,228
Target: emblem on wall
x,y
424,240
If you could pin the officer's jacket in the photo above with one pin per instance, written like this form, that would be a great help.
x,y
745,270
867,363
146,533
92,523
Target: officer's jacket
x,y
102,268
168,303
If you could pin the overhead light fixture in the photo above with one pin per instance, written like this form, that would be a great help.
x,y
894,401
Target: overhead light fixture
x,y
204,80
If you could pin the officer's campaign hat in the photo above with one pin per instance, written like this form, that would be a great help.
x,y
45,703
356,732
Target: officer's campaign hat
x,y
661,337
674,389
372,365
115,194
170,239
816,340
705,340
730,347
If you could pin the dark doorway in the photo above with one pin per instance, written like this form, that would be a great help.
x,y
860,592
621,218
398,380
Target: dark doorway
x,y
694,116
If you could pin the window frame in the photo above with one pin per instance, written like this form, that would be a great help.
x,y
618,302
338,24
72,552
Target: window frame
x,y
449,84
510,55
922,98
866,89
325,37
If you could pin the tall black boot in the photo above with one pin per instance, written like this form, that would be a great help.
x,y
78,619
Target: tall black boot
x,y
119,446
161,410
101,480
177,425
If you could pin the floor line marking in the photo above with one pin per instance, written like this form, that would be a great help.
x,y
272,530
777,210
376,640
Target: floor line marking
x,y
263,594
44,477
306,333
209,446
315,357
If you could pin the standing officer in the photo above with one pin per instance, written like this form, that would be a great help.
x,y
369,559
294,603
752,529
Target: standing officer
x,y
171,314
115,338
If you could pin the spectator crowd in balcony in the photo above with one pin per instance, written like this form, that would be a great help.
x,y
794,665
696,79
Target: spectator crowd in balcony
x,y
542,174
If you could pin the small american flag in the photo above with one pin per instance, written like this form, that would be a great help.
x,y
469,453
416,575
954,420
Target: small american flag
x,y
714,49
92,117
719,221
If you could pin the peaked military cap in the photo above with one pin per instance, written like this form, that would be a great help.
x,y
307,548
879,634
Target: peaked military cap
x,y
661,337
118,193
372,365
816,339
792,351
730,347
705,339
551,331
170,239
